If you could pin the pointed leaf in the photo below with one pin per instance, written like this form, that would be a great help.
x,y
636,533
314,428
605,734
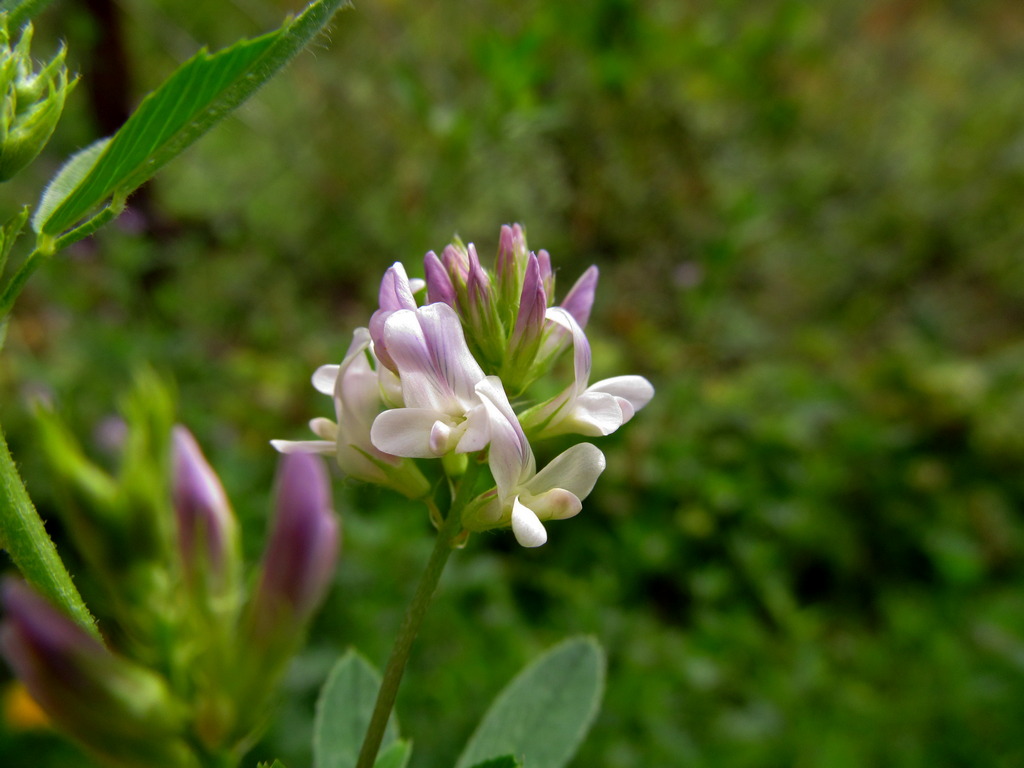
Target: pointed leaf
x,y
67,180
543,714
395,756
197,96
343,713
277,764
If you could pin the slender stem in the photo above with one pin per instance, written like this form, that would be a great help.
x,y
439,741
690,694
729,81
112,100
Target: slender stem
x,y
24,536
414,614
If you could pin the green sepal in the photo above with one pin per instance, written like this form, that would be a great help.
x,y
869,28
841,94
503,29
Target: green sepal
x,y
395,756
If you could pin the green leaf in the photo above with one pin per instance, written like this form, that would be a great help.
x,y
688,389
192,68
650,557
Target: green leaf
x,y
505,761
543,714
21,11
343,713
277,764
67,180
197,96
395,756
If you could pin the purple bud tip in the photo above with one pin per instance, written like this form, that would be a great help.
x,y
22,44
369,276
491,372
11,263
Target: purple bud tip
x,y
439,284
456,261
580,298
506,253
532,303
303,544
43,646
201,506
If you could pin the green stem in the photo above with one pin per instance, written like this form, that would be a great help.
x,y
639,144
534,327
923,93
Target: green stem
x,y
24,536
48,246
414,614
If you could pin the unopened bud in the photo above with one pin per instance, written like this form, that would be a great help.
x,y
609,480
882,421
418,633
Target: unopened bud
x,y
303,545
32,102
207,531
113,706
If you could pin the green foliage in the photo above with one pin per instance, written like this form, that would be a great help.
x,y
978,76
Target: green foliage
x,y
542,716
808,549
196,97
507,761
343,713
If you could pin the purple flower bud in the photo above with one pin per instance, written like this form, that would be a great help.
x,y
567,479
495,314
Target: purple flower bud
x,y
478,287
110,704
547,275
456,260
303,544
506,253
395,293
439,284
206,525
580,298
529,325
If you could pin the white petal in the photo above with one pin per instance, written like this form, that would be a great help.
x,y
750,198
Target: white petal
x,y
593,414
580,346
324,378
576,470
636,390
417,284
556,504
440,438
303,446
476,431
528,529
452,359
405,432
324,428
422,384
510,458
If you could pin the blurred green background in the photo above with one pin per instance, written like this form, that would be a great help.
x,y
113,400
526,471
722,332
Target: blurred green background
x,y
807,550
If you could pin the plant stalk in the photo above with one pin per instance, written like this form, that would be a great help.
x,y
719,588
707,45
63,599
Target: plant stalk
x,y
24,536
414,614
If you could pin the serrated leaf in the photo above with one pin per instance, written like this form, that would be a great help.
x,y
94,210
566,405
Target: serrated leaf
x,y
395,756
343,713
68,178
543,714
505,761
197,96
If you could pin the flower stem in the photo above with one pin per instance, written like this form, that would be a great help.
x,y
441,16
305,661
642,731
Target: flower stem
x,y
414,614
24,537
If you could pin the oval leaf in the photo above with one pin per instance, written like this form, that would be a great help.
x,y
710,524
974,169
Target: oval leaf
x,y
543,714
343,713
196,97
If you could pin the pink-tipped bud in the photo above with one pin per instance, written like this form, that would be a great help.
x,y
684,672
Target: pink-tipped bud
x,y
303,545
439,284
110,704
395,294
547,275
580,298
207,531
528,330
511,263
456,260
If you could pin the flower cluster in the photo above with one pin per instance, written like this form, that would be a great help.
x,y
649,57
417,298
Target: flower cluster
x,y
435,373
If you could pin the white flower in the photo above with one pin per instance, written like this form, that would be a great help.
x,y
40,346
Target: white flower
x,y
437,373
598,409
358,386
524,497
